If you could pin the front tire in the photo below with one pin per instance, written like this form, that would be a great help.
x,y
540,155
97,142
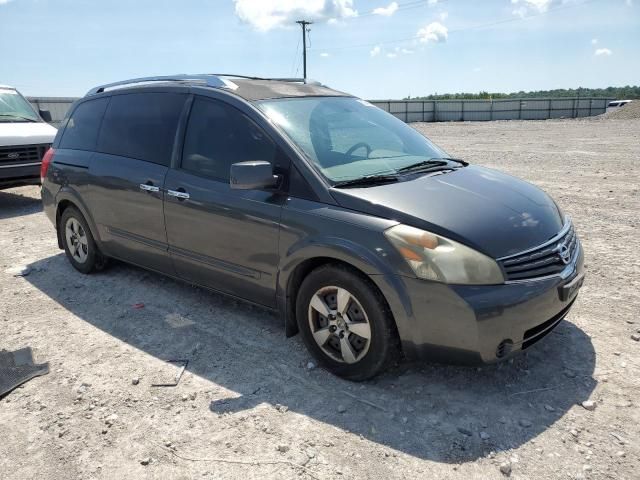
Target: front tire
x,y
78,242
345,323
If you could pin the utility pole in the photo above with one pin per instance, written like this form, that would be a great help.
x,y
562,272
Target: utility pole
x,y
303,24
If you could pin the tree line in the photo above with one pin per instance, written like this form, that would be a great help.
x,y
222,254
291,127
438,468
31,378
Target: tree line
x,y
620,93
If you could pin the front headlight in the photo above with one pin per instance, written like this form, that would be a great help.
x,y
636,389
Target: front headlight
x,y
436,258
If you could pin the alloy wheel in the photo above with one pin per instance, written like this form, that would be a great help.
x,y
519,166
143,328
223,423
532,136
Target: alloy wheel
x,y
339,324
76,240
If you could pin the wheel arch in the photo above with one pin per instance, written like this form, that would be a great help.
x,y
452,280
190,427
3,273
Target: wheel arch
x,y
69,198
351,256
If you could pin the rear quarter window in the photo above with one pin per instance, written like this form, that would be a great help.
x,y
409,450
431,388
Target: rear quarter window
x,y
141,126
81,131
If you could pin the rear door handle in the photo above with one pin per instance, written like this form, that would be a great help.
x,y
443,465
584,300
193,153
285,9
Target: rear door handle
x,y
178,194
149,188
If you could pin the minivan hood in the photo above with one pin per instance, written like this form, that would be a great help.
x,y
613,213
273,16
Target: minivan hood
x,y
25,133
490,211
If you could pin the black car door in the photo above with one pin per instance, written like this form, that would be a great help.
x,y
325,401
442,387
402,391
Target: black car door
x,y
134,151
218,237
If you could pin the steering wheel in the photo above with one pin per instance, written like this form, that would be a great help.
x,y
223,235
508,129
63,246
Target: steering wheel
x,y
360,145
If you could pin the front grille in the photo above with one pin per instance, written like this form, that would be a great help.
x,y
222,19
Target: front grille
x,y
548,259
17,155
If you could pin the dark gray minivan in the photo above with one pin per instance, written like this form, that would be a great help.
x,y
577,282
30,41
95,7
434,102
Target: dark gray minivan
x,y
367,238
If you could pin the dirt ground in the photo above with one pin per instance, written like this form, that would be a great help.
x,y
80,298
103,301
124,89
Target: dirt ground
x,y
248,405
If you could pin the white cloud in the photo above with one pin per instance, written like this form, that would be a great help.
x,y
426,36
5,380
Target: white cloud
x,y
2,2
392,55
267,14
375,51
525,7
404,51
628,3
324,54
432,2
594,41
434,32
603,52
386,11
477,69
443,16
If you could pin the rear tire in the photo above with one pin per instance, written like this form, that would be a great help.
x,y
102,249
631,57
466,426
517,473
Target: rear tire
x,y
78,242
345,323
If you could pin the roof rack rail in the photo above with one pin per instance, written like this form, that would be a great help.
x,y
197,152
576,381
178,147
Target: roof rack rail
x,y
210,80
216,80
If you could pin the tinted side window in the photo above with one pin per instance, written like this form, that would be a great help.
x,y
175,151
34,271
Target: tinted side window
x,y
82,127
218,135
141,126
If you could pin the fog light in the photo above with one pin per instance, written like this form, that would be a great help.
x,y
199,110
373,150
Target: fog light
x,y
504,348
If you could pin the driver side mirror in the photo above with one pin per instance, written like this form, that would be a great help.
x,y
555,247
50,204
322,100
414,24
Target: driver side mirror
x,y
45,115
252,175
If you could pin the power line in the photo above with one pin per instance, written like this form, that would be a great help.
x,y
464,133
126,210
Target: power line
x,y
401,7
473,27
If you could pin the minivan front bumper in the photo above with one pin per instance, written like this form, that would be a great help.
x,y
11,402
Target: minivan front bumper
x,y
480,324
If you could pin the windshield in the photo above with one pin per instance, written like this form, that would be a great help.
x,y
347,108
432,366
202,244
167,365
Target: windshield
x,y
348,138
14,108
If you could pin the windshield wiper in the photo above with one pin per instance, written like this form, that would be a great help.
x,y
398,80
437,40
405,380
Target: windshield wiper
x,y
17,116
424,165
367,180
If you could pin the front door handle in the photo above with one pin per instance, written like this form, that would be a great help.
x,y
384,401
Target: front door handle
x,y
149,188
182,195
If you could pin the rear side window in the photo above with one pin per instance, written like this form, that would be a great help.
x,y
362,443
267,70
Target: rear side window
x,y
141,126
82,127
218,135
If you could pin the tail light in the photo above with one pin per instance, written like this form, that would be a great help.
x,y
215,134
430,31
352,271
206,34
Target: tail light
x,y
46,161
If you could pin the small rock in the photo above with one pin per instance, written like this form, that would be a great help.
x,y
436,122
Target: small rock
x,y
549,408
586,468
167,443
281,408
342,409
185,397
104,431
282,448
573,432
135,380
505,468
620,453
485,436
635,337
570,373
589,405
193,396
524,423
145,461
464,431
111,419
311,365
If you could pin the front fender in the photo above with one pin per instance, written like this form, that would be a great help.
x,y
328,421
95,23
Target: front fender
x,y
376,263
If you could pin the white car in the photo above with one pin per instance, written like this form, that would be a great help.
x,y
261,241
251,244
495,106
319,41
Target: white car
x,y
24,139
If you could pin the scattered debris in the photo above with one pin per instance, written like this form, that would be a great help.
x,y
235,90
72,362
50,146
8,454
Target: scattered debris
x,y
137,306
182,365
17,368
524,423
366,402
145,461
342,409
464,431
505,468
282,448
19,270
311,366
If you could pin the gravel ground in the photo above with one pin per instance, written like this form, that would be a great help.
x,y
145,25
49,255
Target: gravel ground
x,y
249,405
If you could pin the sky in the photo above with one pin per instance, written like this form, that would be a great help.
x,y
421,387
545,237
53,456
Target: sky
x,y
375,49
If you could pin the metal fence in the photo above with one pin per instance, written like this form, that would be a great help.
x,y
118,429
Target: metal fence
x,y
58,106
434,110
487,110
